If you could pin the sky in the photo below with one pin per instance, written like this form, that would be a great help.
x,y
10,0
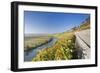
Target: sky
x,y
36,22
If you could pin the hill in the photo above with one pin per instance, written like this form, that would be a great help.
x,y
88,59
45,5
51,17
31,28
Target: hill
x,y
64,48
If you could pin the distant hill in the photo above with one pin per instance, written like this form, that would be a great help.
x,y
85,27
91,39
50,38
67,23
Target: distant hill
x,y
84,25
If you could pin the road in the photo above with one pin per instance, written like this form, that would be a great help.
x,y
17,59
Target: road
x,y
29,55
83,43
85,36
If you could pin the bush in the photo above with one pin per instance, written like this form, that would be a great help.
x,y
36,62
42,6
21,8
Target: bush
x,y
62,50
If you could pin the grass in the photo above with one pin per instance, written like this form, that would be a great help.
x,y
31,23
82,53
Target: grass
x,y
84,26
62,50
33,42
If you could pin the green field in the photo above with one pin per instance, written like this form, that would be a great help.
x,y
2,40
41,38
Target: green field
x,y
62,50
33,42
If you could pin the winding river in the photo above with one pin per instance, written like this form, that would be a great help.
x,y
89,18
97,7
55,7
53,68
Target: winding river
x,y
29,55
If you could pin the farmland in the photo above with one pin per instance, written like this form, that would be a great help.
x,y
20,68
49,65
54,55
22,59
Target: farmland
x,y
33,42
62,50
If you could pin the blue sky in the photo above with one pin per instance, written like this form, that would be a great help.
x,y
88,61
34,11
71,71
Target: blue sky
x,y
51,22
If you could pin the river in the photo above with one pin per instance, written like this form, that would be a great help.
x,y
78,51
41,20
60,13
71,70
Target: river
x,y
29,55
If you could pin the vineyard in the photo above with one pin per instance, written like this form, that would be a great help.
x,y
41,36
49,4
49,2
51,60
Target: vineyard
x,y
62,50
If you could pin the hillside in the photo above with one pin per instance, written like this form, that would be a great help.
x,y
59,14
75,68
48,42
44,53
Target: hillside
x,y
64,48
84,25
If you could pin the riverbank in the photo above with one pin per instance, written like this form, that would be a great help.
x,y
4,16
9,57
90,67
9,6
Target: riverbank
x,y
30,54
39,45
62,50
